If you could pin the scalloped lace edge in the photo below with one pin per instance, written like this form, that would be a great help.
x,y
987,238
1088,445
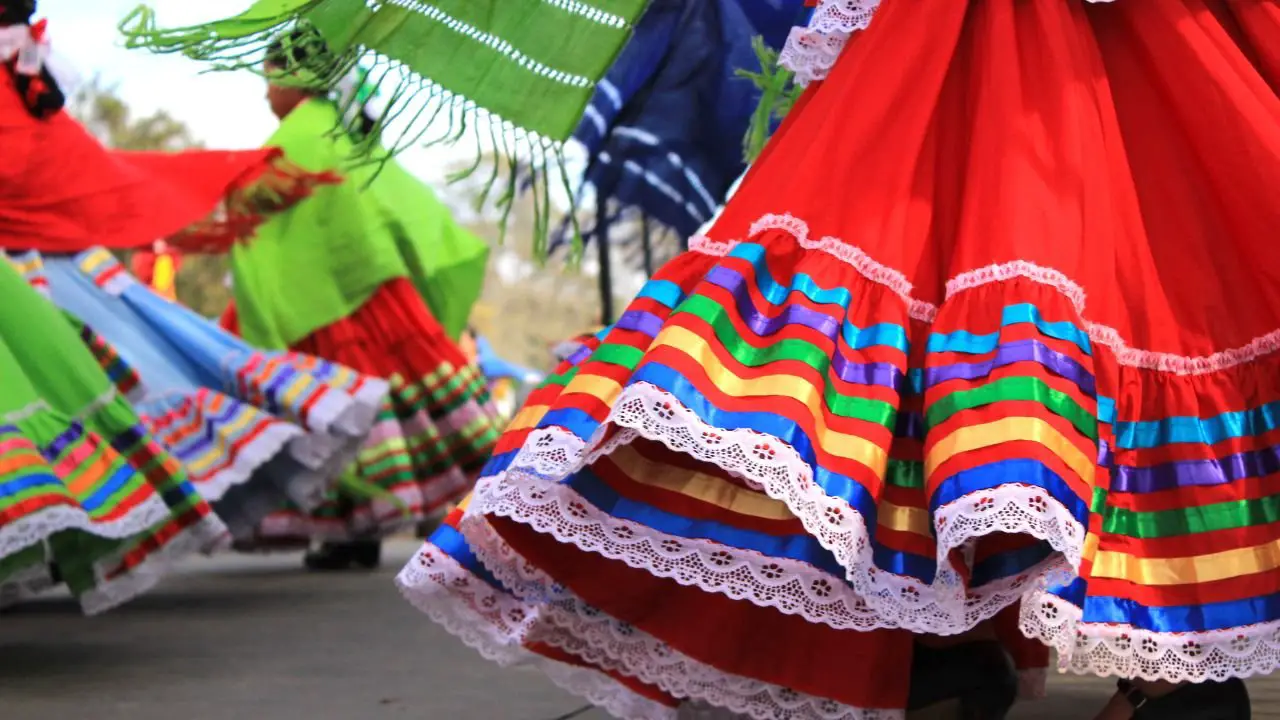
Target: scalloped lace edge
x,y
894,280
207,535
622,648
445,596
29,530
529,492
811,51
611,645
1110,650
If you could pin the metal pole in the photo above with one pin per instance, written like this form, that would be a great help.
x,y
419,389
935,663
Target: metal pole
x,y
646,244
606,267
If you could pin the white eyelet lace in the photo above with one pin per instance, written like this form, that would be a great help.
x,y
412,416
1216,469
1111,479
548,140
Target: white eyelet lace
x,y
811,51
1127,652
530,492
497,624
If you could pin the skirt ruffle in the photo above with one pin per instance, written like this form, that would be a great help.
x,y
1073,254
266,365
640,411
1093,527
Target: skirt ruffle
x,y
446,581
254,430
83,486
993,330
430,438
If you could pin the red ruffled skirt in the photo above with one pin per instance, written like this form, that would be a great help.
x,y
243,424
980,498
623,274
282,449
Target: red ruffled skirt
x,y
992,320
432,436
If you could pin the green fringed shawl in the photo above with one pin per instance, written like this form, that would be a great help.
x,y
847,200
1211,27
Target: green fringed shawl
x,y
319,261
532,64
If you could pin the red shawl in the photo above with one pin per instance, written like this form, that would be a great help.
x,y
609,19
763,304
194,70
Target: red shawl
x,y
61,191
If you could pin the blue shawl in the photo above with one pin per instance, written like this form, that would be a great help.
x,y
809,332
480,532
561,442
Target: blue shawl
x,y
664,130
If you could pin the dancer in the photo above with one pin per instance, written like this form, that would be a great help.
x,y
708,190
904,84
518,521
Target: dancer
x,y
87,495
989,321
972,375
250,430
375,275
253,429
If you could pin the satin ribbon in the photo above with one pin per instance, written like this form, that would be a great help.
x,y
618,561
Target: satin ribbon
x,y
1007,430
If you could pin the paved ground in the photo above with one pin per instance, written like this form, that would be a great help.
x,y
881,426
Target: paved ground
x,y
256,638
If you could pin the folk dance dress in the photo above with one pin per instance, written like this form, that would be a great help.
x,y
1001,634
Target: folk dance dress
x,y
373,274
991,321
84,486
253,429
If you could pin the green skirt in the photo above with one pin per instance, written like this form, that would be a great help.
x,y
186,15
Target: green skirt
x,y
83,487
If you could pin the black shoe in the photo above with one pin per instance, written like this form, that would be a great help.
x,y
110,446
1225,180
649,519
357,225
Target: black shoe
x,y
1227,700
978,675
362,554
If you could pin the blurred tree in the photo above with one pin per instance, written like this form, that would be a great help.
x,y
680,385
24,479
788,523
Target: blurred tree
x,y
200,281
99,107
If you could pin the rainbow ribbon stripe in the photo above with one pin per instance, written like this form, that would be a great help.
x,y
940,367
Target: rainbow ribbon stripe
x,y
899,420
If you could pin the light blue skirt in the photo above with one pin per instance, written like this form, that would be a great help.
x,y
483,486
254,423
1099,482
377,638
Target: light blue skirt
x,y
256,430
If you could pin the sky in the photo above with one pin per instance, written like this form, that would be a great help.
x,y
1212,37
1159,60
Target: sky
x,y
225,110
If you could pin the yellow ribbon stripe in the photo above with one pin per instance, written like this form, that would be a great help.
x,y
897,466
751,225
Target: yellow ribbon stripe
x,y
1187,570
976,437
844,445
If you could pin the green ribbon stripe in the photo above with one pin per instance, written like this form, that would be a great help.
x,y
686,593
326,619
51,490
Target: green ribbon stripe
x,y
709,311
1013,389
1231,515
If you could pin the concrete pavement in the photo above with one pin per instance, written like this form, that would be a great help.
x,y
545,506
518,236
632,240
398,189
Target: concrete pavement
x,y
250,638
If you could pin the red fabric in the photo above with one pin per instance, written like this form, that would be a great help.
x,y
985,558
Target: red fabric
x,y
229,320
142,263
62,191
1058,133
1131,147
392,333
745,639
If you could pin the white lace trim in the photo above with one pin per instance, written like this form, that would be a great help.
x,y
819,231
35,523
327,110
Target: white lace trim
x,y
604,642
852,255
811,51
35,528
706,246
270,443
529,492
577,628
208,535
791,587
1121,651
495,624
924,311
